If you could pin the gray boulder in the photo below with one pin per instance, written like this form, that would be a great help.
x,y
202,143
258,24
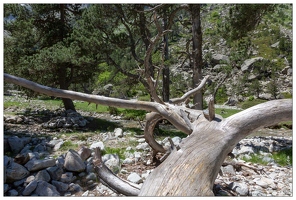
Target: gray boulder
x,y
61,187
15,171
219,58
84,153
45,189
30,188
135,178
34,165
241,188
17,144
97,144
42,175
55,172
73,162
246,66
112,161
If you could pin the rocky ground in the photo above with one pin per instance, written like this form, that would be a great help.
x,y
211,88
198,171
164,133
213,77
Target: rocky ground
x,y
35,141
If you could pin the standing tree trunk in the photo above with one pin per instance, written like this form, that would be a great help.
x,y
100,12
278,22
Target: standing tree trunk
x,y
166,69
196,54
64,84
190,169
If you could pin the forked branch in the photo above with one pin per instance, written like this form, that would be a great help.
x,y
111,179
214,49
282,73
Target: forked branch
x,y
191,92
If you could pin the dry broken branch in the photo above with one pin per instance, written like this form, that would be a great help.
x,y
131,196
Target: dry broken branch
x,y
191,92
113,181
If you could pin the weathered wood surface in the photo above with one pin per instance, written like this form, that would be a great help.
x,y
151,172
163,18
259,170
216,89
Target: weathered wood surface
x,y
192,169
113,181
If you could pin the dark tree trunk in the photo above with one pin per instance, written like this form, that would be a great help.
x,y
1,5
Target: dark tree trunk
x,y
166,69
197,54
64,84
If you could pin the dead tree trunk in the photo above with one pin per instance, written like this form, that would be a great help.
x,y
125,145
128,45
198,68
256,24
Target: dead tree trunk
x,y
191,169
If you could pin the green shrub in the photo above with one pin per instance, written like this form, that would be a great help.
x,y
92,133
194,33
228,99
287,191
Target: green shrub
x,y
287,95
221,95
251,98
113,110
134,114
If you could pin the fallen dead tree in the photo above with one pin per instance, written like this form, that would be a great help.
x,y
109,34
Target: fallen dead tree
x,y
190,169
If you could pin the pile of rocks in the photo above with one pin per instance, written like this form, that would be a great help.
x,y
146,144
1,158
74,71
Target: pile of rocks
x,y
35,172
59,118
247,179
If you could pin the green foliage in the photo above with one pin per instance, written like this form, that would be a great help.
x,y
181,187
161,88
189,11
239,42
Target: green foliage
x,y
244,18
241,50
286,95
255,88
226,112
169,133
85,106
130,114
113,110
68,145
255,158
248,104
283,157
221,95
118,151
272,87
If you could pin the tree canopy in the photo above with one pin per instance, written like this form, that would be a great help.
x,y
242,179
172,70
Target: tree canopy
x,y
70,45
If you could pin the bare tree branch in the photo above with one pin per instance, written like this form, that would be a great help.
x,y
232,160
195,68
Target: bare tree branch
x,y
151,120
113,181
163,109
190,93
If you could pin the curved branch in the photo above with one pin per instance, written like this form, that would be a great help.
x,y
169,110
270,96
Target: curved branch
x,y
113,181
265,114
151,121
191,92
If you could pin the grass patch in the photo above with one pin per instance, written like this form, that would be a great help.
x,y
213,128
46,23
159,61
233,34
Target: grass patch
x,y
134,114
68,145
8,104
119,151
255,158
226,112
248,104
283,157
85,106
